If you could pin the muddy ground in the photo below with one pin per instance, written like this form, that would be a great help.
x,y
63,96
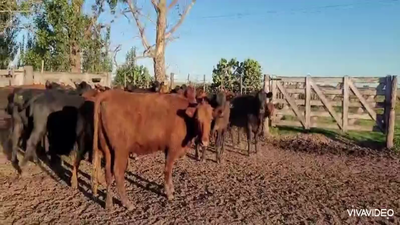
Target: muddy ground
x,y
308,179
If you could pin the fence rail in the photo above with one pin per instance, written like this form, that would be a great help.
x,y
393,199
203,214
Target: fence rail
x,y
26,76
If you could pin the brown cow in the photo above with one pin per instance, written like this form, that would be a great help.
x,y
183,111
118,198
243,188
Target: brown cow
x,y
133,122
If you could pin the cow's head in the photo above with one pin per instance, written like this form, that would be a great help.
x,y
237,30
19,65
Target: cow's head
x,y
202,113
262,101
156,85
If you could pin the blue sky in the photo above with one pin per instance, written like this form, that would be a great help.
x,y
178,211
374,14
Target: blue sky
x,y
288,37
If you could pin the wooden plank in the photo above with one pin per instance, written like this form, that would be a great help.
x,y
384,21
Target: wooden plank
x,y
288,123
364,116
333,79
369,91
308,103
392,115
291,103
333,103
345,114
326,103
370,111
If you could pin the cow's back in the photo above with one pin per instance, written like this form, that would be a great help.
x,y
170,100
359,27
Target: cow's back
x,y
144,123
242,106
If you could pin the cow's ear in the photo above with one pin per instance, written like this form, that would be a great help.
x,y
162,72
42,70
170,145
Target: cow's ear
x,y
269,95
190,111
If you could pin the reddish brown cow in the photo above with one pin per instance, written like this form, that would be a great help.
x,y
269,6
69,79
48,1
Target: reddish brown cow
x,y
133,122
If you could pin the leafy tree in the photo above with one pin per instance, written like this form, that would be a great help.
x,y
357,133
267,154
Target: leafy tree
x,y
227,74
8,47
132,73
252,74
63,33
8,44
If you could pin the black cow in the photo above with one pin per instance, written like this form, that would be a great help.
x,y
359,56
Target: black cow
x,y
18,102
155,87
21,127
248,112
57,113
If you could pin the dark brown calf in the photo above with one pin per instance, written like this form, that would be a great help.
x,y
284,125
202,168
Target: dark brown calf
x,y
133,122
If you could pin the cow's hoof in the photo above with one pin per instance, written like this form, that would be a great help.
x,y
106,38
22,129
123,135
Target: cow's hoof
x,y
109,206
129,207
170,197
74,184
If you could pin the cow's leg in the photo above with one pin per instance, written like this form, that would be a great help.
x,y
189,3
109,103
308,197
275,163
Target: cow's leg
x,y
248,132
196,148
33,140
78,157
218,146
120,164
256,141
16,134
223,141
171,156
109,179
108,170
238,133
231,134
203,156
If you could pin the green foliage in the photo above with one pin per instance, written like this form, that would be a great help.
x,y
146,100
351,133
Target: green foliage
x,y
63,32
228,74
134,74
8,44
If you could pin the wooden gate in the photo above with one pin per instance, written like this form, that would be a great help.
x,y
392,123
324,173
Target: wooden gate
x,y
344,103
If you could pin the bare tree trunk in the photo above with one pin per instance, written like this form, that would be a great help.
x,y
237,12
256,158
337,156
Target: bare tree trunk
x,y
159,53
75,58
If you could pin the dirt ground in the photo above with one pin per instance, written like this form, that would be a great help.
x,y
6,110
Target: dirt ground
x,y
306,179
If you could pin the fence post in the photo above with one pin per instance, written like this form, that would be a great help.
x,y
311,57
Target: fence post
x,y
171,81
392,115
274,95
388,92
42,66
28,75
266,90
308,103
204,82
345,105
188,78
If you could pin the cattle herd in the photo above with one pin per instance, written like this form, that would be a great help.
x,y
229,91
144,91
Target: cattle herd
x,y
119,123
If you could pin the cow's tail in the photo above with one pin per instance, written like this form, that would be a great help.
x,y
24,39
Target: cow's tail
x,y
95,154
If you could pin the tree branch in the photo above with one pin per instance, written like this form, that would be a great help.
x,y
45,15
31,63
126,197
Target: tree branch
x,y
139,25
155,5
173,3
174,28
117,49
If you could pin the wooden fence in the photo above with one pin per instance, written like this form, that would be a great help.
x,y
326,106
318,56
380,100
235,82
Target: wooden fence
x,y
26,76
335,103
